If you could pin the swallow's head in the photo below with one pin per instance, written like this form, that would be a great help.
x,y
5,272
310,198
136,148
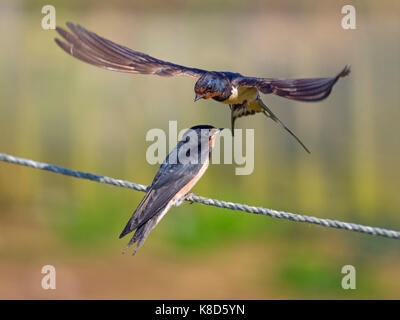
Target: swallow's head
x,y
206,132
197,143
210,85
203,133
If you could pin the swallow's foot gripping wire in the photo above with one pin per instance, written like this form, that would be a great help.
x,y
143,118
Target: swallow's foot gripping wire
x,y
189,197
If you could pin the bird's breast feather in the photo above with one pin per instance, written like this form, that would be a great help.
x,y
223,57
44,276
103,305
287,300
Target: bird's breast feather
x,y
240,94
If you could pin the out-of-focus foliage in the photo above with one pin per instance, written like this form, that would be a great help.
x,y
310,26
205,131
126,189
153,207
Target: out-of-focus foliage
x,y
56,109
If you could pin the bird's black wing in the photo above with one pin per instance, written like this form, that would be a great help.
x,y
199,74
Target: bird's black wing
x,y
158,197
312,89
93,49
170,179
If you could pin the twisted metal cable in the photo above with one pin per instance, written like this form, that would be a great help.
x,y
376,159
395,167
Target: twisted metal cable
x,y
210,202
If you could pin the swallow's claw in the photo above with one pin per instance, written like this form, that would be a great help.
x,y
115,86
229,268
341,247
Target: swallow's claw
x,y
189,197
179,202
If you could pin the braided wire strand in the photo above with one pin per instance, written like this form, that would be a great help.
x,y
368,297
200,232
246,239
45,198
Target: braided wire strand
x,y
207,201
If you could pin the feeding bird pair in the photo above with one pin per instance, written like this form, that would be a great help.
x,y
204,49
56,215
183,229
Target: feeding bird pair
x,y
174,180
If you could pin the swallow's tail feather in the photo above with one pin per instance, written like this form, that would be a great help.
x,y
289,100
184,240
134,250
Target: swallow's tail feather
x,y
140,216
128,228
267,111
141,235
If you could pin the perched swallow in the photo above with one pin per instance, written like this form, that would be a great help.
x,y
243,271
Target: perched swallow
x,y
177,175
241,93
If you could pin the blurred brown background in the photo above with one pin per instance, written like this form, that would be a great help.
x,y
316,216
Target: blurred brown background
x,y
56,109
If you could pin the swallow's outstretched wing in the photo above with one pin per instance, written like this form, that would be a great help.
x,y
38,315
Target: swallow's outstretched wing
x,y
312,89
93,49
171,182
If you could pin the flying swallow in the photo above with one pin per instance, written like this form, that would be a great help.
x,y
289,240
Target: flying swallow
x,y
177,175
241,93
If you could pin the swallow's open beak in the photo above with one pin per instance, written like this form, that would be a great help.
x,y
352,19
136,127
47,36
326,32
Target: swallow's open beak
x,y
213,135
198,96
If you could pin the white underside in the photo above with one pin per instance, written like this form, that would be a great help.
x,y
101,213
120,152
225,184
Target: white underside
x,y
239,95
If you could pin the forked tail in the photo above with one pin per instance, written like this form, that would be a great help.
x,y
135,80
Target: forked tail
x,y
267,111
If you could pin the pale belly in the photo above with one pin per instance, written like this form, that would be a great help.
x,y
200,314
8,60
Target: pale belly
x,y
239,95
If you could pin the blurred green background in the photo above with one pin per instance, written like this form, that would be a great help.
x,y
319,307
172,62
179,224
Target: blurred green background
x,y
56,109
